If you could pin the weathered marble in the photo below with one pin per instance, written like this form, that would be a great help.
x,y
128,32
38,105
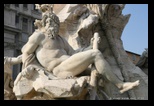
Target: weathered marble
x,y
8,82
78,54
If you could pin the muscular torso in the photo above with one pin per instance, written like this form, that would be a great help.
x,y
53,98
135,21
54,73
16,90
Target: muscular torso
x,y
51,50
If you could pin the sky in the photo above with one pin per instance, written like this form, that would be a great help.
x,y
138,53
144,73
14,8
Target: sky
x,y
135,33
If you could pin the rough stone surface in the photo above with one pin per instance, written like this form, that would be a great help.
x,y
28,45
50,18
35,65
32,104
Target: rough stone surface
x,y
93,29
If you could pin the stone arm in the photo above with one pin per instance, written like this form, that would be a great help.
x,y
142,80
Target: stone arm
x,y
33,42
16,60
13,60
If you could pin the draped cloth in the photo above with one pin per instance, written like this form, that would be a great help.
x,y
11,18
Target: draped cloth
x,y
31,60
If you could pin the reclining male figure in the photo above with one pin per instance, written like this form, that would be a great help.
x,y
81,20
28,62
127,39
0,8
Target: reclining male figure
x,y
55,54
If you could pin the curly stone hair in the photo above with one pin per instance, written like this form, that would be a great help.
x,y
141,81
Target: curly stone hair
x,y
53,18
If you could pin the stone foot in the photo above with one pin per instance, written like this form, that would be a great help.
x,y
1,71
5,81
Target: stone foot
x,y
129,85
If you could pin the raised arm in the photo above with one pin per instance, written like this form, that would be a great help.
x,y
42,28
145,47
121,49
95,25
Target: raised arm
x,y
30,47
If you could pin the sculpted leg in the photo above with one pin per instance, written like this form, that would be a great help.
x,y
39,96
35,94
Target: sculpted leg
x,y
75,64
104,68
80,61
129,85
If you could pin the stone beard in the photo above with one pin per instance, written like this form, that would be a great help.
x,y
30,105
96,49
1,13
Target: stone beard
x,y
51,24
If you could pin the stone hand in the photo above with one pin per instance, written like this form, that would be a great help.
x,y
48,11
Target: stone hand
x,y
28,72
96,40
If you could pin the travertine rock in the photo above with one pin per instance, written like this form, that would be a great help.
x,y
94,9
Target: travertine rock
x,y
8,82
54,88
89,41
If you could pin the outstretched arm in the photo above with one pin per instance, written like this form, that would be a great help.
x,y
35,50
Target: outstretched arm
x,y
16,60
13,60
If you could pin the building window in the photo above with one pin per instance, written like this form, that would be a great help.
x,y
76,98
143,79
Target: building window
x,y
16,5
33,26
25,20
133,57
25,25
17,19
25,5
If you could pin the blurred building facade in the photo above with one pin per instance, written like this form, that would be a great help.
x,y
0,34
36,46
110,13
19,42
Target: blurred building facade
x,y
134,57
18,26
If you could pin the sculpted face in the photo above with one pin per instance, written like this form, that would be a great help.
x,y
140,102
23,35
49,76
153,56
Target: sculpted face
x,y
52,25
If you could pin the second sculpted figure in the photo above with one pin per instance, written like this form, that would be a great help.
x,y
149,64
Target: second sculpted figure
x,y
56,55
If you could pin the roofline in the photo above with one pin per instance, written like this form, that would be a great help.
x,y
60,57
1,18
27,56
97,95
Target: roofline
x,y
133,52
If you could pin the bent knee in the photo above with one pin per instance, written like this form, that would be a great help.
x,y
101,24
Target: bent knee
x,y
56,71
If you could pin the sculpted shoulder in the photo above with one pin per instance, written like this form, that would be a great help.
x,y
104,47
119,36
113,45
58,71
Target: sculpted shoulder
x,y
33,42
38,33
37,36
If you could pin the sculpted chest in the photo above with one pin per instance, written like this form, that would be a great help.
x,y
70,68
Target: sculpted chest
x,y
49,43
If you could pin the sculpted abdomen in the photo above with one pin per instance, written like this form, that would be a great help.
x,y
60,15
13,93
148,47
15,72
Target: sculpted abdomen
x,y
45,56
